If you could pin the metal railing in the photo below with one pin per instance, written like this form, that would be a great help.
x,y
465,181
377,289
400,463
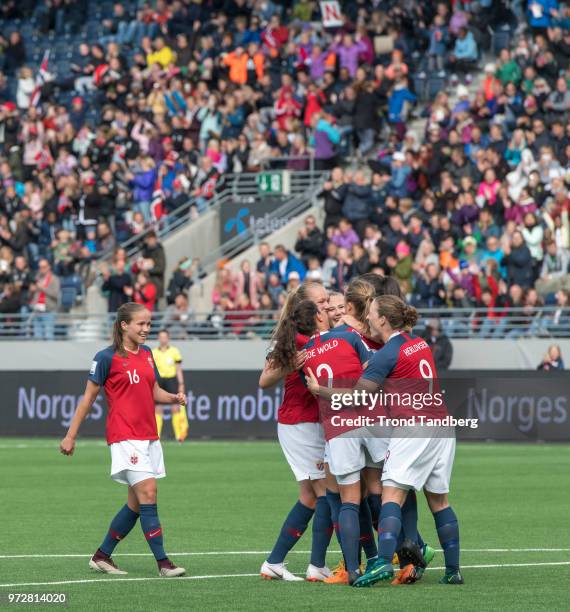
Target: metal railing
x,y
475,323
230,187
290,208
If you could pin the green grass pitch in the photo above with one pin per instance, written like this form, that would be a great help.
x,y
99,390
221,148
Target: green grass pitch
x,y
228,499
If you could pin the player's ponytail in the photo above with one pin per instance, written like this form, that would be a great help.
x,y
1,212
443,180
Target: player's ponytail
x,y
301,320
124,315
396,311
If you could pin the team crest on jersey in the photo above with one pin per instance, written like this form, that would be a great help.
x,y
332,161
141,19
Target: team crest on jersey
x,y
320,466
134,459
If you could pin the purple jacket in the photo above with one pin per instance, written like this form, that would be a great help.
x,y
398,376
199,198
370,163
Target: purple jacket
x,y
143,183
318,65
346,240
348,56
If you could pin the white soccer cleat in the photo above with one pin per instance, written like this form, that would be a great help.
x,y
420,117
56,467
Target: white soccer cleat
x,y
105,566
277,571
317,574
169,570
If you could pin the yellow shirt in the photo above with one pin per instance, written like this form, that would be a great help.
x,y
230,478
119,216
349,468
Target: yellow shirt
x,y
166,361
164,57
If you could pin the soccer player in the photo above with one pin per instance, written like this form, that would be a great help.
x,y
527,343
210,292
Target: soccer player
x,y
302,440
358,299
335,310
412,463
169,364
127,372
337,357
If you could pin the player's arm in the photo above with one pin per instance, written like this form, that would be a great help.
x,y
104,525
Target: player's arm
x,y
67,445
161,396
180,377
272,375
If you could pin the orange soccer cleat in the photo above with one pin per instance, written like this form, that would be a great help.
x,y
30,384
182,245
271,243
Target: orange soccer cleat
x,y
406,575
339,575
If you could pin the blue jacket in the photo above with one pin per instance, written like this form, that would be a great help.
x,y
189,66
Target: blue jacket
x,y
396,104
466,49
545,18
293,265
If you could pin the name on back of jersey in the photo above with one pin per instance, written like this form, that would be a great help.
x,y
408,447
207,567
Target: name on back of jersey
x,y
322,348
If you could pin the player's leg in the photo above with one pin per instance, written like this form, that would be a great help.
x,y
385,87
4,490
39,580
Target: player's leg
x,y
349,521
448,533
146,494
339,573
159,415
120,527
322,533
367,536
179,422
393,496
291,531
371,477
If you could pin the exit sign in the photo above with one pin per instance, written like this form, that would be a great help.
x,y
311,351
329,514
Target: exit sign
x,y
274,183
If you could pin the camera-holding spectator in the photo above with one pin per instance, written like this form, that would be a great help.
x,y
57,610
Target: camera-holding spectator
x,y
552,360
310,240
118,283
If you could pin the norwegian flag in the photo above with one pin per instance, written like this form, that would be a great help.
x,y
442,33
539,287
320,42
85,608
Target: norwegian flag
x,y
157,203
41,78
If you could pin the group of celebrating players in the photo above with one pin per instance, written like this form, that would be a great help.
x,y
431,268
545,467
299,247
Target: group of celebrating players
x,y
351,482
361,479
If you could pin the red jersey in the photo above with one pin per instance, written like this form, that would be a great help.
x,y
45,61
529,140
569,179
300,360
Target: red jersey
x,y
405,367
299,405
128,382
336,358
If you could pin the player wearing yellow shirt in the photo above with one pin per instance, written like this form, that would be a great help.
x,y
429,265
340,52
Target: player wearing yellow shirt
x,y
169,364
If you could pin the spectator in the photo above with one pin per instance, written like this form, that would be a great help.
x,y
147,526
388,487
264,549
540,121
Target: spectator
x,y
117,282
284,263
310,240
440,345
518,261
356,197
144,291
552,360
44,301
153,261
325,141
179,318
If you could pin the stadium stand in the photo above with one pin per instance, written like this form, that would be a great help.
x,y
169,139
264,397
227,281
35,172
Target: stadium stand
x,y
444,126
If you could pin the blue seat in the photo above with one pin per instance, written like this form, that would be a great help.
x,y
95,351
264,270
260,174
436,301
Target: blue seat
x,y
68,297
434,86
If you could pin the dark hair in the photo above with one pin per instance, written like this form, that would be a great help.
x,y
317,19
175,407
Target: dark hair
x,y
301,320
124,315
163,331
396,311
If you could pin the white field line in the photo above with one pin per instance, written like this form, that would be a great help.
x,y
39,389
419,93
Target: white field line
x,y
141,579
214,553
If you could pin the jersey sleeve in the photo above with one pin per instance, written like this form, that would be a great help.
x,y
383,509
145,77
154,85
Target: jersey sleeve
x,y
100,367
363,352
177,355
381,364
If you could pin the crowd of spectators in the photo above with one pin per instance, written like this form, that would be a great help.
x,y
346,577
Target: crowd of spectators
x,y
145,105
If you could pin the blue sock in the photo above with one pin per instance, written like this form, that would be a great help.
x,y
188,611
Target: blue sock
x,y
367,539
390,526
375,503
421,542
350,534
152,530
120,527
410,517
335,503
293,528
322,532
448,533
